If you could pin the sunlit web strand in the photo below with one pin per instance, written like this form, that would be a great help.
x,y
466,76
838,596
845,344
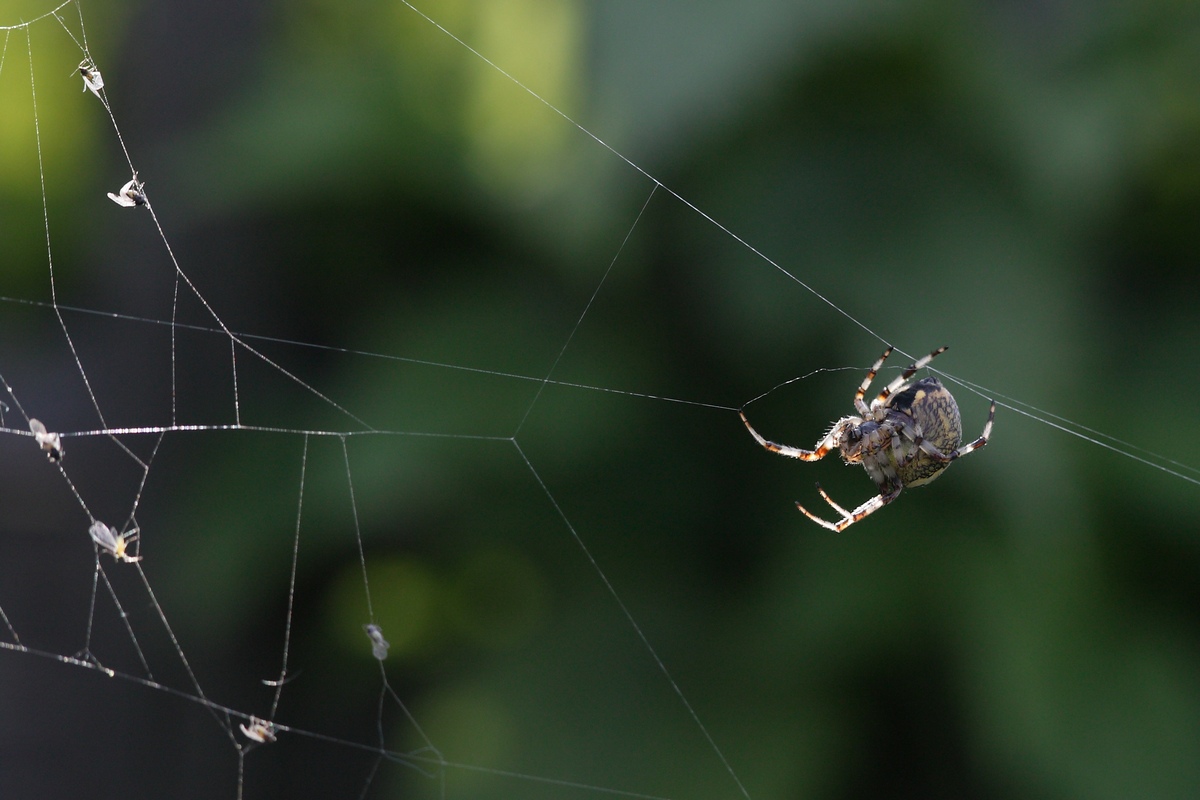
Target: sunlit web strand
x,y
211,705
108,109
790,381
1107,441
52,12
179,273
644,172
712,743
1082,431
83,46
234,343
291,606
37,138
522,776
411,759
11,630
196,428
586,308
807,287
367,353
1066,425
232,336
198,696
100,572
26,431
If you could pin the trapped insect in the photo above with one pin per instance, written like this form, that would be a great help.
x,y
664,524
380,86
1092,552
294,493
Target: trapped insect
x,y
260,730
907,436
131,194
91,77
49,442
379,645
114,543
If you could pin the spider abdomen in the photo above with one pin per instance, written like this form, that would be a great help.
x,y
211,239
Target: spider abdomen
x,y
929,408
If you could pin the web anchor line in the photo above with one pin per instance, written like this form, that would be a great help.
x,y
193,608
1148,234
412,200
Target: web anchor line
x,y
1153,459
637,629
427,755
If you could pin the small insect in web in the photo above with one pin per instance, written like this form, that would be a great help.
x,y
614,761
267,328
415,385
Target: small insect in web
x,y
91,77
260,730
907,436
114,543
379,645
49,442
131,194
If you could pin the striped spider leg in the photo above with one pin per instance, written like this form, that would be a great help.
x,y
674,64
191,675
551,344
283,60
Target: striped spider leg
x,y
907,436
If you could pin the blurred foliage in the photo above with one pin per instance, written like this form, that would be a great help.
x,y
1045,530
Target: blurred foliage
x,y
1016,180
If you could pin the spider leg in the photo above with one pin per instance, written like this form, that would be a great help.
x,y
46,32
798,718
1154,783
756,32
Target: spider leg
x,y
828,499
822,449
904,376
902,453
849,517
881,469
862,388
938,455
907,432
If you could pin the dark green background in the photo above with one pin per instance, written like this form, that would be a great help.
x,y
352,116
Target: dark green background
x,y
1020,181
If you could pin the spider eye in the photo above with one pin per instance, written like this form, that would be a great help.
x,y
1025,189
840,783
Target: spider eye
x,y
854,434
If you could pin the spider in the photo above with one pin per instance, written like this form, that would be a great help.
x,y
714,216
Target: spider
x,y
906,437
114,543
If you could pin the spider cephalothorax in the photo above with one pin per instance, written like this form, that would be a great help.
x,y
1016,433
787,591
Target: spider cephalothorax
x,y
905,437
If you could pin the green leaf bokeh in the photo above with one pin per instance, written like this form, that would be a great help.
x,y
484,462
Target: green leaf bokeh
x,y
1017,181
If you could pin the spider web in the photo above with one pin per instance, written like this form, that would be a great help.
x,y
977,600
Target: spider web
x,y
479,480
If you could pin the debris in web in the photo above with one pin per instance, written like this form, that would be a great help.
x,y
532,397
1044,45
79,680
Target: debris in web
x,y
91,77
114,543
131,194
49,442
260,730
379,645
